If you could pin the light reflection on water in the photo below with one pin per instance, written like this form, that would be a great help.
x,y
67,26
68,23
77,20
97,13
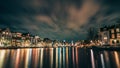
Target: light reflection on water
x,y
65,57
107,59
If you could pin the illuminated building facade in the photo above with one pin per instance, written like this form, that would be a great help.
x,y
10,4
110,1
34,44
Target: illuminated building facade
x,y
105,35
8,38
16,39
5,37
110,34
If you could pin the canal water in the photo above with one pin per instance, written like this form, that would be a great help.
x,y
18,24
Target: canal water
x,y
64,57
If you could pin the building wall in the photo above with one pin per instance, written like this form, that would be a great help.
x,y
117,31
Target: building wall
x,y
105,37
5,37
115,36
111,35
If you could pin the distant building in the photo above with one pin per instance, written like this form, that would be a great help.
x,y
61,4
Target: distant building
x,y
26,39
110,34
8,38
16,39
48,42
5,37
36,40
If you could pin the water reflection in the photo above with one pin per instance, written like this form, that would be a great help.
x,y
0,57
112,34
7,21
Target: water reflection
x,y
65,57
102,61
2,57
92,58
108,59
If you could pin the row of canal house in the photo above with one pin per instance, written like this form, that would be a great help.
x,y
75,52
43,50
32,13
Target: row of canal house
x,y
110,34
8,38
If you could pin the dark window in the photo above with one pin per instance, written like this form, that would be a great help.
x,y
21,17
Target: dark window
x,y
117,41
113,42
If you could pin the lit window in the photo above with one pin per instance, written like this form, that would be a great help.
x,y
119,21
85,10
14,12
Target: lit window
x,y
118,35
113,36
112,31
3,32
105,37
117,30
7,33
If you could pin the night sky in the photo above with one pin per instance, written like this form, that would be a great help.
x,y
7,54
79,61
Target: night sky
x,y
58,19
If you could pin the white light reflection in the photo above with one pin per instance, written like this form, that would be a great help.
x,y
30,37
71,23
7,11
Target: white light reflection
x,y
41,57
56,58
63,57
92,59
76,51
51,57
59,58
26,58
102,60
29,57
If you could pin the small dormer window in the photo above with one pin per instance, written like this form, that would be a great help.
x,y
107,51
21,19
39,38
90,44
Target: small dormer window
x,y
117,30
113,35
118,35
112,31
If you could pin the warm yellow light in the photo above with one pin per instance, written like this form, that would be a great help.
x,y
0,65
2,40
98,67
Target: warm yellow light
x,y
105,37
3,32
7,33
115,41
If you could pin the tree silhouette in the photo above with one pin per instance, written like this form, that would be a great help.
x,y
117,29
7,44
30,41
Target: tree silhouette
x,y
92,33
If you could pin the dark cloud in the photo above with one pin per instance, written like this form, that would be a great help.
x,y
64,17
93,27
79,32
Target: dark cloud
x,y
58,19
